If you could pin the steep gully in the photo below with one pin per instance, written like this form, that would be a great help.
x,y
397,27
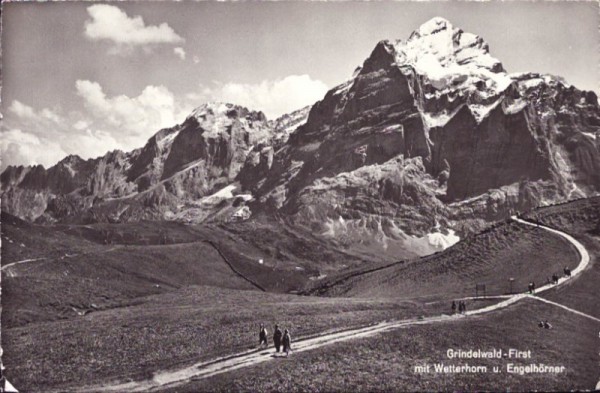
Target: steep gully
x,y
163,379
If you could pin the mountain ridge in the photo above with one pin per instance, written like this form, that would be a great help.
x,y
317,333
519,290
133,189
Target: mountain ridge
x,y
430,137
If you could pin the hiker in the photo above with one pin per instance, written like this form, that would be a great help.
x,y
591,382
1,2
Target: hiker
x,y
531,287
277,338
567,271
262,336
287,342
461,307
555,278
547,325
541,324
453,307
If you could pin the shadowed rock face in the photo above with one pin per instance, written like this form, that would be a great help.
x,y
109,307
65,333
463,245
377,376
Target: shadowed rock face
x,y
430,133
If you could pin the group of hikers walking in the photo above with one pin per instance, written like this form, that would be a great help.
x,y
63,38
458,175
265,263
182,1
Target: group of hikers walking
x,y
280,340
566,271
553,280
462,307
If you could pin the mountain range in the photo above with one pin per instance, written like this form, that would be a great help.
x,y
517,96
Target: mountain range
x,y
429,140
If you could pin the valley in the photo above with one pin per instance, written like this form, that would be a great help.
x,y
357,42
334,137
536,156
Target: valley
x,y
192,317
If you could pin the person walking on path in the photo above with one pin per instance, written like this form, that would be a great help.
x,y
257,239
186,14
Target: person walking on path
x,y
262,336
287,342
277,338
453,307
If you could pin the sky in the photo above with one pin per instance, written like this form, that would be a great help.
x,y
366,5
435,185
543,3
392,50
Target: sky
x,y
89,77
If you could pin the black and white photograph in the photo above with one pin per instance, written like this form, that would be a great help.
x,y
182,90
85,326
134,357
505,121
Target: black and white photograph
x,y
300,196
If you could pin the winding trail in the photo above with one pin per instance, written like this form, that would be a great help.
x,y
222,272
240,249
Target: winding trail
x,y
173,378
12,264
19,262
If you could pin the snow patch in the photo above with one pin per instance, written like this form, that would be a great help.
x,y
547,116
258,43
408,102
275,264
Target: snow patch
x,y
514,107
439,119
241,214
481,111
344,87
70,168
211,107
223,193
167,140
440,77
442,241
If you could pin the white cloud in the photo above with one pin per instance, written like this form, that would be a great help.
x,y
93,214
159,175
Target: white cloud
x,y
179,52
46,117
20,147
21,110
274,98
45,136
110,23
81,125
134,118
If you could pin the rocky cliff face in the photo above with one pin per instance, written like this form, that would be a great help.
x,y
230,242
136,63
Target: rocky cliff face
x,y
430,138
177,167
432,132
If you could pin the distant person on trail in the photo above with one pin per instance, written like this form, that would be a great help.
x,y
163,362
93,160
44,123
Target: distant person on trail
x,y
567,271
547,325
287,342
541,324
262,336
555,278
277,338
531,287
453,307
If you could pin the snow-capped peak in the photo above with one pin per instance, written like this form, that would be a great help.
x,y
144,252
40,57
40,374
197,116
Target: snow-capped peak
x,y
212,108
454,64
438,44
432,26
226,110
